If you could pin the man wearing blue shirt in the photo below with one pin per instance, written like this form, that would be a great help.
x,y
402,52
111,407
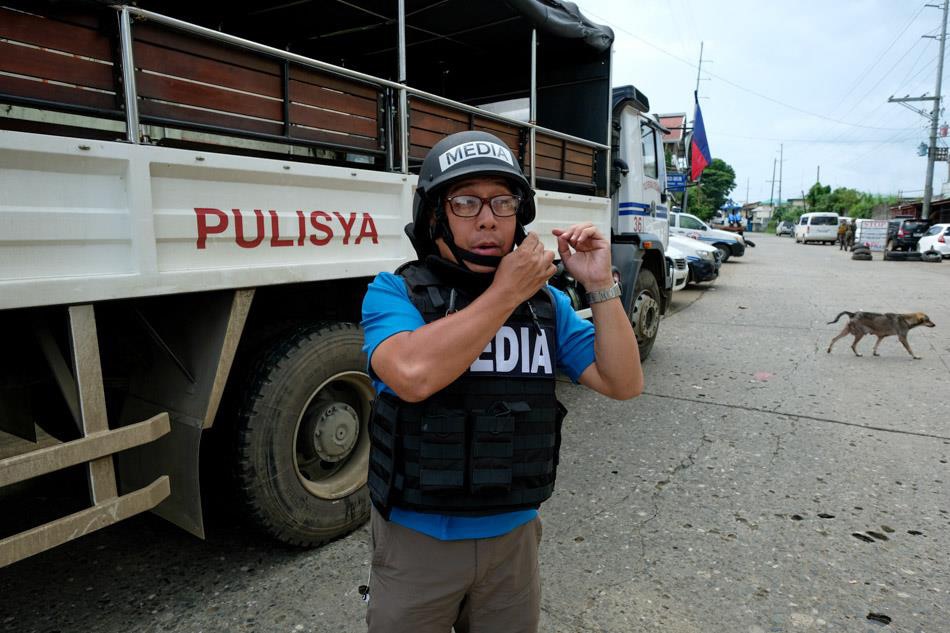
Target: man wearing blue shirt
x,y
463,348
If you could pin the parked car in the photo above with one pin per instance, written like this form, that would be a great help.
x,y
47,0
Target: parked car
x,y
677,260
785,227
903,235
729,244
937,238
703,260
818,226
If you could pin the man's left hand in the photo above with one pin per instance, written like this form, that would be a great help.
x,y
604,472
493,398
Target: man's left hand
x,y
586,255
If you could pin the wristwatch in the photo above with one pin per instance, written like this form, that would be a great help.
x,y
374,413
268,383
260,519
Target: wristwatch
x,y
603,295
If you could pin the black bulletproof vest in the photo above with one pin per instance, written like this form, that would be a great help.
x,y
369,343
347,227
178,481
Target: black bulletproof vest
x,y
488,442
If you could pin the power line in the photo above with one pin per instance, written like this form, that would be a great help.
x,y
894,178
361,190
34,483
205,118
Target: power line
x,y
861,76
813,141
736,85
882,78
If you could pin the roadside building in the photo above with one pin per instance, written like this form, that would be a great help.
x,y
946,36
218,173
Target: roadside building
x,y
761,216
797,203
939,210
674,140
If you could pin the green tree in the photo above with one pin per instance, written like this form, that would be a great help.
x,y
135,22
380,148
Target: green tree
x,y
842,200
817,197
717,182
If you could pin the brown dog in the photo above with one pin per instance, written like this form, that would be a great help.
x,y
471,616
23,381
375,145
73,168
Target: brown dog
x,y
880,325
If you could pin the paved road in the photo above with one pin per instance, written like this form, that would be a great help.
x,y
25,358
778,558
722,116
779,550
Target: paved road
x,y
760,484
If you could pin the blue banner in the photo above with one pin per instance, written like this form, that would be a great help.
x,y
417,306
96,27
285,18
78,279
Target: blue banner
x,y
675,181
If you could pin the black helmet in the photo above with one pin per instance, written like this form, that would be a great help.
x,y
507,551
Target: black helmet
x,y
458,156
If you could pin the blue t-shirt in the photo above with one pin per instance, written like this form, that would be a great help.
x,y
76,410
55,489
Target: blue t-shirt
x,y
387,310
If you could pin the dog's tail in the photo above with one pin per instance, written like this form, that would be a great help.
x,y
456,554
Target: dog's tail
x,y
850,315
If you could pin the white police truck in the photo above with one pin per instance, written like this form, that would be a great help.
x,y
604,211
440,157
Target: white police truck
x,y
194,198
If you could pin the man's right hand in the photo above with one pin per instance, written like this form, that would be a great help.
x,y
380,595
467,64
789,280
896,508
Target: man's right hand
x,y
524,271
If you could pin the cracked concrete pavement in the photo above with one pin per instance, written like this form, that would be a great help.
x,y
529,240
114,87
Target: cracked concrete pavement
x,y
759,485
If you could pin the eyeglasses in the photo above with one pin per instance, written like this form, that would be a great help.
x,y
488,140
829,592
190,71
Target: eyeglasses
x,y
466,206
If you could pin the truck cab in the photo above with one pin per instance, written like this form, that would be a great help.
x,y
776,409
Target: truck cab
x,y
639,211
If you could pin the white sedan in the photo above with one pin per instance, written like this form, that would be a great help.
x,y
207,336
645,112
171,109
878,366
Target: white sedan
x,y
680,269
937,238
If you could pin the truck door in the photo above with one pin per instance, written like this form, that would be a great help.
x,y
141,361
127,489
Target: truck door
x,y
639,206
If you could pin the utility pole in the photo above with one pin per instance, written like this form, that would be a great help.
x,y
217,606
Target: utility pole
x,y
772,190
781,154
699,70
818,174
747,190
934,115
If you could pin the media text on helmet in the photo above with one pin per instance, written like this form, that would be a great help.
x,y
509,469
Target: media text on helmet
x,y
474,149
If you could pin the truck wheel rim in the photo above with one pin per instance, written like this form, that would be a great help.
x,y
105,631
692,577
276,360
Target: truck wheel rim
x,y
331,439
646,316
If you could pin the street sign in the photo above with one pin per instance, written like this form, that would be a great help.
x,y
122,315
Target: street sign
x,y
675,181
871,233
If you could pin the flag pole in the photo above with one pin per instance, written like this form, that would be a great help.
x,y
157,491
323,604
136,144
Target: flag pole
x,y
689,154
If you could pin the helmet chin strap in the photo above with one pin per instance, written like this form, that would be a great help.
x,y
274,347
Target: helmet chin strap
x,y
461,255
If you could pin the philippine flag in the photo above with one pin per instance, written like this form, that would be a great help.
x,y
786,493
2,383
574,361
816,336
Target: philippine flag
x,y
699,156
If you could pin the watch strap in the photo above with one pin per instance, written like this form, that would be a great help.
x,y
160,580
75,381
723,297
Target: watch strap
x,y
599,296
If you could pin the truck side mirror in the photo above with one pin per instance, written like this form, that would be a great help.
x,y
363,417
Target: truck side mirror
x,y
664,196
621,165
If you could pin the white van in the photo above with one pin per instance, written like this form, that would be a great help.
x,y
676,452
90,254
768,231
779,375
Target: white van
x,y
817,227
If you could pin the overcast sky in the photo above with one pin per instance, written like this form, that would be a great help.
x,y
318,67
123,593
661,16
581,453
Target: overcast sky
x,y
814,75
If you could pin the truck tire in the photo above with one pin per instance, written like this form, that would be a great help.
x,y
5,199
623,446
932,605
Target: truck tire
x,y
302,436
725,251
645,311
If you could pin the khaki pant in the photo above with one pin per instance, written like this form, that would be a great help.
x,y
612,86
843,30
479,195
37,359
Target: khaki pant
x,y
420,584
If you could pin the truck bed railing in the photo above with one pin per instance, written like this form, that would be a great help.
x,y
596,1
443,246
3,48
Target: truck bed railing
x,y
148,69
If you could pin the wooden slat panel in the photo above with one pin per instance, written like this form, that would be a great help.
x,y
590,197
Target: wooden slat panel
x,y
438,110
321,136
511,140
194,45
187,66
547,173
333,82
333,121
424,138
432,123
51,33
34,62
188,115
418,151
549,163
497,127
579,170
177,91
19,87
554,165
548,147
585,158
310,94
